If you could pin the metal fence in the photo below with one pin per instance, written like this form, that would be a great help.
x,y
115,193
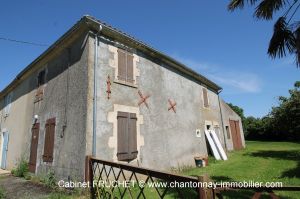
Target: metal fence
x,y
111,180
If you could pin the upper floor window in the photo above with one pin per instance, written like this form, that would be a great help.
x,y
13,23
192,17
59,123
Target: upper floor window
x,y
125,66
205,98
41,78
7,102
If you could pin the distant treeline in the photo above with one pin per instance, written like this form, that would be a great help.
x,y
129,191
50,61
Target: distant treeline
x,y
282,123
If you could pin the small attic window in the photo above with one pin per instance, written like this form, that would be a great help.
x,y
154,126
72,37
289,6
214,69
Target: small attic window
x,y
41,78
205,98
7,101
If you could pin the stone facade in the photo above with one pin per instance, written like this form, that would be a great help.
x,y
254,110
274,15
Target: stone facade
x,y
165,139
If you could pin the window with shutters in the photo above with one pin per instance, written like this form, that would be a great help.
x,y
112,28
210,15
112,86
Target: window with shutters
x,y
7,104
49,140
41,80
127,136
125,67
205,98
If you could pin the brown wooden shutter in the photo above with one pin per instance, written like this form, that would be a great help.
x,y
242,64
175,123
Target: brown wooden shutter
x,y
49,140
205,97
132,137
238,135
127,136
45,156
33,148
130,68
122,136
121,65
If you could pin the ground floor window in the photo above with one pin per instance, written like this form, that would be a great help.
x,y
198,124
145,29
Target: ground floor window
x,y
127,136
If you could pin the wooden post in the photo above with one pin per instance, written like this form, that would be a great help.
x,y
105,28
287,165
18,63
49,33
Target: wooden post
x,y
86,171
204,192
89,176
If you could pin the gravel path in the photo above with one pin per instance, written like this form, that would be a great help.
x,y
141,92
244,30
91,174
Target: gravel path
x,y
19,188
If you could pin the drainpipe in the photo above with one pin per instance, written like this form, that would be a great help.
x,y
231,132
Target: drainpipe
x,y
95,93
219,91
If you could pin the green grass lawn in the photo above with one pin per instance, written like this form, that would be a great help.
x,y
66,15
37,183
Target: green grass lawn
x,y
259,161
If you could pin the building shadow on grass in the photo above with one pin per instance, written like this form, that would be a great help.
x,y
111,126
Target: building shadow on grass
x,y
282,155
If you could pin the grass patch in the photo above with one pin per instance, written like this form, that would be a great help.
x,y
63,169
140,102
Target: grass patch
x,y
59,195
261,162
149,192
2,193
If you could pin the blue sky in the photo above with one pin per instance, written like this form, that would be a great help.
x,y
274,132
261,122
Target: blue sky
x,y
229,48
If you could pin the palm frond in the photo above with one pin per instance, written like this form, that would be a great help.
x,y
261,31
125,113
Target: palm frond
x,y
282,40
252,2
297,42
234,4
266,8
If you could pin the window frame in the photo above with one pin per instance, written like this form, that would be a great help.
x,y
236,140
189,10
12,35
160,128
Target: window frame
x,y
7,104
127,151
130,80
43,81
40,85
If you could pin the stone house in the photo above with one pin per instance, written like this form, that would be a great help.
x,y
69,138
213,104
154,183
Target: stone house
x,y
98,91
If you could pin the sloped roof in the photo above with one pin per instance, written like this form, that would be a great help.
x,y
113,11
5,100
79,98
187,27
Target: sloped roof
x,y
93,24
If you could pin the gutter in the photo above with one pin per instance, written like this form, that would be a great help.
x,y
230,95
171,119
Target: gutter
x,y
95,93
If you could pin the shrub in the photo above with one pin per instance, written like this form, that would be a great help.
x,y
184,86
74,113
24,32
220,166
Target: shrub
x,y
22,168
49,179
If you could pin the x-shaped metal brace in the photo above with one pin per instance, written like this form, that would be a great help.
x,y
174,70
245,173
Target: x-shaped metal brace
x,y
172,106
143,99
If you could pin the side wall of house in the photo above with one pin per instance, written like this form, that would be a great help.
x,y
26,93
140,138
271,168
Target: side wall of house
x,y
64,98
17,123
165,139
229,114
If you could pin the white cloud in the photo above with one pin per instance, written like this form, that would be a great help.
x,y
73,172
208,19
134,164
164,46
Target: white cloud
x,y
229,79
244,82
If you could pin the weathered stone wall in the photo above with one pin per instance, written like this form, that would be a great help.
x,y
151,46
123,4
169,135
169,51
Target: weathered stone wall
x,y
165,139
65,98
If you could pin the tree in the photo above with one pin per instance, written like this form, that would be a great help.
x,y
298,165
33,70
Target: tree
x,y
286,34
286,116
237,109
282,123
